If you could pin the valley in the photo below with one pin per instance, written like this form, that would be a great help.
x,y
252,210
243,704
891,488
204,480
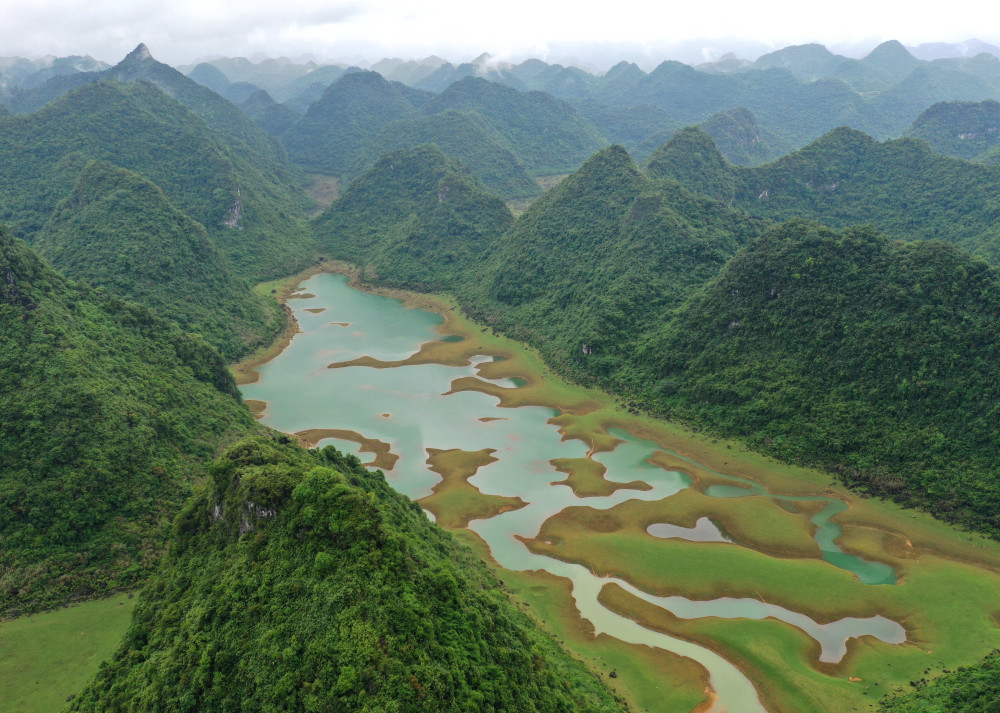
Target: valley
x,y
665,389
452,400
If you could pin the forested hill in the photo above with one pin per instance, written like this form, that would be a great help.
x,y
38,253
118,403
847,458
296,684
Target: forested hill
x,y
903,187
876,359
339,127
546,133
599,260
243,136
299,581
251,214
465,136
962,129
107,417
117,230
416,219
970,689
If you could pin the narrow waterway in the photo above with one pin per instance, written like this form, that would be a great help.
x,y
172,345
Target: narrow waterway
x,y
406,407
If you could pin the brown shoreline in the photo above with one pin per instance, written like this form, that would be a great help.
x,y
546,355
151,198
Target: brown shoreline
x,y
384,458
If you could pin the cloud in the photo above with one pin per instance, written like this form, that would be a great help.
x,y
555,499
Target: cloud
x,y
185,30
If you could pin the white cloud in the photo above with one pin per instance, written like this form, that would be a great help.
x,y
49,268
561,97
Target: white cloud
x,y
185,30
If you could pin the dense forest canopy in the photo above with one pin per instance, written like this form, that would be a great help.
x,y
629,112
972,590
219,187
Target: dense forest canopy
x,y
300,581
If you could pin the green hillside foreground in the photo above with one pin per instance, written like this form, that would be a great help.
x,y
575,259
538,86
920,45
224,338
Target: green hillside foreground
x,y
119,231
416,219
253,214
107,416
903,187
298,580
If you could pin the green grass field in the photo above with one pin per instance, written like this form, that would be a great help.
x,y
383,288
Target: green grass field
x,y
46,658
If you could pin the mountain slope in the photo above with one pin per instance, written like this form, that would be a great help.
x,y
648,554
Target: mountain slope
x,y
547,134
107,416
961,129
463,136
599,260
844,178
251,213
416,219
299,581
117,230
340,126
869,357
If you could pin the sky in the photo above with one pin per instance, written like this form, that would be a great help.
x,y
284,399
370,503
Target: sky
x,y
590,34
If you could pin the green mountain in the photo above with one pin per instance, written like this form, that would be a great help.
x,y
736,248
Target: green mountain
x,y
299,581
903,187
629,126
339,128
272,117
875,359
117,230
547,134
243,136
107,417
598,261
961,129
250,208
416,219
463,136
970,689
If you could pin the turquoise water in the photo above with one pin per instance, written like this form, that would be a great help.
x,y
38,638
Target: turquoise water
x,y
407,408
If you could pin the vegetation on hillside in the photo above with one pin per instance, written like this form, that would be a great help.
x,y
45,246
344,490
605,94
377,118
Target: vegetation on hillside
x,y
107,415
903,187
961,129
117,230
252,213
416,219
299,581
467,137
970,689
844,349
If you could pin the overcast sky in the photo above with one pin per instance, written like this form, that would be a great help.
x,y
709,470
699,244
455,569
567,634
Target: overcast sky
x,y
182,31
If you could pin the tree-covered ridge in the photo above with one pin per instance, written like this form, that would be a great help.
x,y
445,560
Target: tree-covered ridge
x,y
117,230
467,137
961,129
107,415
416,219
903,187
970,689
272,117
844,349
299,581
340,126
547,134
599,260
251,213
242,135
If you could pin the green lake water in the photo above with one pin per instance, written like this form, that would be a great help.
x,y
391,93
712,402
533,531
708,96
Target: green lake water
x,y
406,407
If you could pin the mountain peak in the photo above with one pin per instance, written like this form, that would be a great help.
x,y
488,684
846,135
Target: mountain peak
x,y
140,54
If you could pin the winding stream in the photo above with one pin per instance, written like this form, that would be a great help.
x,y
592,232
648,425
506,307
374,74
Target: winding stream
x,y
406,407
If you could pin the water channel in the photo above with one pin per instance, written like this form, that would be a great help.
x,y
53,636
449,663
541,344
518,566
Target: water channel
x,y
407,408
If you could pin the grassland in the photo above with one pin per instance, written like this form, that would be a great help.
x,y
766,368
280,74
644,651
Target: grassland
x,y
46,658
